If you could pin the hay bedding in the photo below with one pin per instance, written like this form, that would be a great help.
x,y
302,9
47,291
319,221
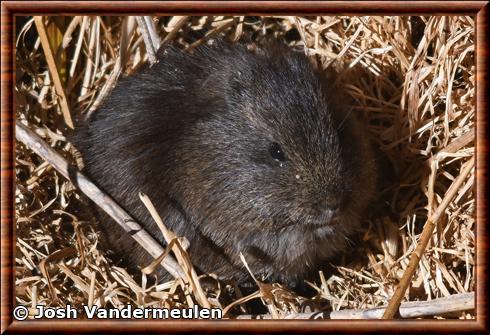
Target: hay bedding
x,y
413,78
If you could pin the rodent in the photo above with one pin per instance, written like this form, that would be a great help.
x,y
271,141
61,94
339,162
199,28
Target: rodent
x,y
241,150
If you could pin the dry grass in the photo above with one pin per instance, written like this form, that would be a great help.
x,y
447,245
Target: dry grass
x,y
412,77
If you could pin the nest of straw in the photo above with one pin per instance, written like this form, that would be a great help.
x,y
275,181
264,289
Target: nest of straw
x,y
413,78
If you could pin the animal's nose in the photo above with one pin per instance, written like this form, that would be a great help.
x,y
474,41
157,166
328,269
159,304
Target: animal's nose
x,y
332,202
327,208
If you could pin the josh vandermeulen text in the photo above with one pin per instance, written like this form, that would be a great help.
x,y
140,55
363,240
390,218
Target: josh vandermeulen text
x,y
128,312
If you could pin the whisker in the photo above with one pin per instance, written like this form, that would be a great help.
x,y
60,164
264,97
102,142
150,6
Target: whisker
x,y
339,127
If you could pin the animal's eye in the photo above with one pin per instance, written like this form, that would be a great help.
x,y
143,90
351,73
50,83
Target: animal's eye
x,y
277,153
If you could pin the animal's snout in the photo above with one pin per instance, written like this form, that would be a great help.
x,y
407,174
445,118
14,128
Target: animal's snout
x,y
329,205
